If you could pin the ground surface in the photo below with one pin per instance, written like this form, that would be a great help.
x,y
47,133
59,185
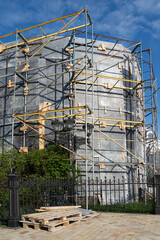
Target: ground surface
x,y
112,226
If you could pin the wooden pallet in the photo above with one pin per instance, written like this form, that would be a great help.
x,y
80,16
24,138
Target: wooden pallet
x,y
46,218
52,226
52,220
73,220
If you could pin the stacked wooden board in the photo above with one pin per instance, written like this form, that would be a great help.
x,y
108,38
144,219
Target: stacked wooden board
x,y
51,218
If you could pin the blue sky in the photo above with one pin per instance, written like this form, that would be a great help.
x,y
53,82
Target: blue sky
x,y
137,20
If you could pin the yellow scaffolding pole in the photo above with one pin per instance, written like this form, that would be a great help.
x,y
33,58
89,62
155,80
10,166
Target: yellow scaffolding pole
x,y
50,118
49,35
102,85
119,120
108,77
43,31
60,31
109,124
51,111
44,23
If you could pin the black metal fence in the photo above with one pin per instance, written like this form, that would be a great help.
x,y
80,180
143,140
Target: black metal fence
x,y
37,192
118,195
4,202
34,193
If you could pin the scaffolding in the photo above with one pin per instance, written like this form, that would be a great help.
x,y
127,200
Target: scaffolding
x,y
83,76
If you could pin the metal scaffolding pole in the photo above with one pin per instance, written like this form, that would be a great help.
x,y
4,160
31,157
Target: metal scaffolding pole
x,y
14,94
154,114
92,107
86,157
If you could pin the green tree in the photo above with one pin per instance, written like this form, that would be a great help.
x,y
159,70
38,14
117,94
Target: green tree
x,y
47,162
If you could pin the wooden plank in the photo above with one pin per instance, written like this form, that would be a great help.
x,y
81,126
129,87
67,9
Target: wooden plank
x,y
69,50
79,62
38,126
103,124
108,85
2,48
10,84
42,107
69,67
40,210
26,91
102,47
90,216
24,128
25,68
120,110
26,50
101,166
119,65
60,208
130,70
100,199
23,149
122,125
123,158
79,110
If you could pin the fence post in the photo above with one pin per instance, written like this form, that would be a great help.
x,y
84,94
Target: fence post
x,y
14,217
157,177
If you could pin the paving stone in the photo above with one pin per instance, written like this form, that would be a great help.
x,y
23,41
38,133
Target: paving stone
x,y
110,226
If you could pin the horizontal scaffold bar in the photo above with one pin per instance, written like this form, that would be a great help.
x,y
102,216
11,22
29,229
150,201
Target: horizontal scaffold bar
x,y
50,118
44,23
103,85
49,35
118,120
50,111
108,77
109,124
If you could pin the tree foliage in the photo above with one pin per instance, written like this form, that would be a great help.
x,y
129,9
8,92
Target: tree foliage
x,y
45,163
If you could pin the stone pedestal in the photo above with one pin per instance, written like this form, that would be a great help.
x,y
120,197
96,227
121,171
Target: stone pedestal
x,y
14,201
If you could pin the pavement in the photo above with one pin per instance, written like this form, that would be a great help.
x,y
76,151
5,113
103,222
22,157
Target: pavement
x,y
106,226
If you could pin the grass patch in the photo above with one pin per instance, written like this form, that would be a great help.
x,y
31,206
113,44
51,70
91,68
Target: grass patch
x,y
127,208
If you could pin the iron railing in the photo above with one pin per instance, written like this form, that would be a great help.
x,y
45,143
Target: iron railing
x,y
118,195
4,202
37,192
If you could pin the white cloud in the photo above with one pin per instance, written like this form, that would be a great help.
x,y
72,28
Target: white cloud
x,y
156,28
148,7
128,18
123,18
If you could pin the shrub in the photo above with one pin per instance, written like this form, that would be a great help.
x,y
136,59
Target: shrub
x,y
45,163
